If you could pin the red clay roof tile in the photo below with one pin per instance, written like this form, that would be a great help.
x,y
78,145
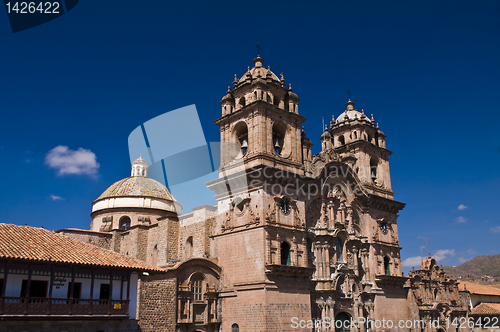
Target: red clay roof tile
x,y
38,244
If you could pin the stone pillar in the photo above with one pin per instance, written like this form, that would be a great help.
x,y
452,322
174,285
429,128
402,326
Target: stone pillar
x,y
320,261
327,261
360,315
349,221
278,249
331,214
366,268
355,257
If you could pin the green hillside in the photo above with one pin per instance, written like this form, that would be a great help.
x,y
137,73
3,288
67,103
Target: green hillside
x,y
478,267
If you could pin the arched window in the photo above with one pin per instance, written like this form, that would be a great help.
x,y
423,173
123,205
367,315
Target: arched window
x,y
339,246
341,140
285,253
189,247
235,328
125,223
387,268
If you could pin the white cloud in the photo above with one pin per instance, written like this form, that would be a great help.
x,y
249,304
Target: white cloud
x,y
67,161
461,220
443,254
412,262
56,198
471,251
462,207
462,260
416,261
495,229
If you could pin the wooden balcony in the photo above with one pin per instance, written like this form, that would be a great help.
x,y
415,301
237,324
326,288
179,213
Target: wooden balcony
x,y
40,307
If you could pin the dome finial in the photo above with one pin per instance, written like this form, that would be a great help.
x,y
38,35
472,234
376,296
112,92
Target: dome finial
x,y
258,61
350,105
140,167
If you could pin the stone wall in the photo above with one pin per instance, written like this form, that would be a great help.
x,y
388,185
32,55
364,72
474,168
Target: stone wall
x,y
99,239
157,303
265,310
197,226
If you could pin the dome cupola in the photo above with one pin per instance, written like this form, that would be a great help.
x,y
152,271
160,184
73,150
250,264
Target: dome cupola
x,y
136,200
140,167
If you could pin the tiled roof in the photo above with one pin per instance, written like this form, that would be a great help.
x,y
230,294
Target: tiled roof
x,y
137,186
474,288
41,245
487,308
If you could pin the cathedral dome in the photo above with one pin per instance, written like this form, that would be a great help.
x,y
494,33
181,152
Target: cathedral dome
x,y
137,186
136,191
351,114
258,71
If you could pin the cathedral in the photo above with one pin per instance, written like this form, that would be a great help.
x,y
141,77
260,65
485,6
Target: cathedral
x,y
296,242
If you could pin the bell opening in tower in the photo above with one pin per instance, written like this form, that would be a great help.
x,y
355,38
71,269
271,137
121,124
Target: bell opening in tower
x,y
241,132
279,130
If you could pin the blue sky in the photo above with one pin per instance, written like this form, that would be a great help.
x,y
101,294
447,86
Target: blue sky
x,y
427,70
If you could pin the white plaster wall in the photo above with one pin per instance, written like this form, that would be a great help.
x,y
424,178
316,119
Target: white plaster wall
x,y
477,299
128,202
15,281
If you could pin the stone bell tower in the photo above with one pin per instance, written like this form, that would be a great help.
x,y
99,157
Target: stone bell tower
x,y
260,236
360,141
261,117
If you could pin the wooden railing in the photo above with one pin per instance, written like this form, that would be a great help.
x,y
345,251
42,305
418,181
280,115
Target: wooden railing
x,y
41,306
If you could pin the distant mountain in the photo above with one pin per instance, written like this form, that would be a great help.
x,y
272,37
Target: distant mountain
x,y
477,269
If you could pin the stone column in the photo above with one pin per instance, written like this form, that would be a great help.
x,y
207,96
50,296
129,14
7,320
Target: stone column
x,y
278,250
327,261
360,315
355,257
331,214
349,218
